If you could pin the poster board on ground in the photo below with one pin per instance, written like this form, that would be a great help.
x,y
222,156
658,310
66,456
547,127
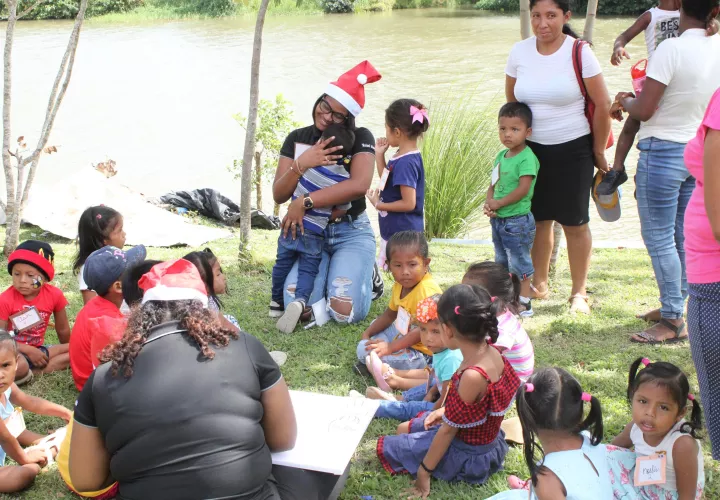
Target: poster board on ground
x,y
329,431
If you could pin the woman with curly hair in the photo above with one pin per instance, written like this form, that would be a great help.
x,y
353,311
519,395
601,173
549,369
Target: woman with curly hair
x,y
184,408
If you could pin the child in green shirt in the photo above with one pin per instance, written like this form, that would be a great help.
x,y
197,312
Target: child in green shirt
x,y
509,196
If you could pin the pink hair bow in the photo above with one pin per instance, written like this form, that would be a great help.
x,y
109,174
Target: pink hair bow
x,y
419,115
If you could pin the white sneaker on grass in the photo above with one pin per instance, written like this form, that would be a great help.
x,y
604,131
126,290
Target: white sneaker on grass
x,y
289,320
275,310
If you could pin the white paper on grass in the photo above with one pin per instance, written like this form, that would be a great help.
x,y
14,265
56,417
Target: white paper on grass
x,y
320,312
329,431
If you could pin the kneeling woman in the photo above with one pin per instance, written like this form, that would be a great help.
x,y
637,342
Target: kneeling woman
x,y
185,408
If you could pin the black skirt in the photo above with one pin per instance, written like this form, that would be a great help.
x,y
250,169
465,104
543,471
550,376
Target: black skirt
x,y
562,189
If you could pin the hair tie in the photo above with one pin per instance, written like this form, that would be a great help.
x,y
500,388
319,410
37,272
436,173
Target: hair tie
x,y
587,397
98,216
457,310
529,387
691,397
493,299
645,361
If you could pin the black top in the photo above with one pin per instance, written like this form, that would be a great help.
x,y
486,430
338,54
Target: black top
x,y
364,143
183,428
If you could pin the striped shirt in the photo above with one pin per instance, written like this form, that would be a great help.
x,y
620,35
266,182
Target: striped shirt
x,y
515,345
315,179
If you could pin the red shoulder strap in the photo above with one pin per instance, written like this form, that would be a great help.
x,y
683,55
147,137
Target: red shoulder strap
x,y
577,66
479,370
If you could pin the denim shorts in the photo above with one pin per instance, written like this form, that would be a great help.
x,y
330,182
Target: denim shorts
x,y
513,239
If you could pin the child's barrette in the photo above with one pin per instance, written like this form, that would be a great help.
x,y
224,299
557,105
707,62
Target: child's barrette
x,y
493,299
586,397
691,397
457,310
419,114
645,361
529,387
98,216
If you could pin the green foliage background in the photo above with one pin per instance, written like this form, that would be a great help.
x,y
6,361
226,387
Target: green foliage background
x,y
605,7
66,9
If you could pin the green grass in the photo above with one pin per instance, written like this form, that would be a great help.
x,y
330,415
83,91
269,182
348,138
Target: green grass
x,y
595,349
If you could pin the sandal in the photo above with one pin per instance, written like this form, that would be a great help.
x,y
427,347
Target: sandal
x,y
375,365
651,340
537,294
579,304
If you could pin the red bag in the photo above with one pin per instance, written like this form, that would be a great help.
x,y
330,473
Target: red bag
x,y
105,331
589,104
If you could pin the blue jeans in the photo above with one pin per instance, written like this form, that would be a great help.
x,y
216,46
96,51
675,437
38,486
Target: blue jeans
x,y
346,269
513,238
664,186
408,408
407,359
307,250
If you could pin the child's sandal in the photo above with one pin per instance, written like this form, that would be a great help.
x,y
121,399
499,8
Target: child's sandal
x,y
374,365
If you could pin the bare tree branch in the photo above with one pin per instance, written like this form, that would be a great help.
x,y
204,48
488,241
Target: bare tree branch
x,y
30,9
7,93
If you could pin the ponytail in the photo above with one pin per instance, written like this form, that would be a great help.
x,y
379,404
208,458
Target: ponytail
x,y
567,30
594,421
695,424
532,449
631,378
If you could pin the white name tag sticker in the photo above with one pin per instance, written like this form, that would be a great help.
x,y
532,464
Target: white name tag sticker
x,y
650,470
495,175
383,179
300,148
402,323
26,319
15,423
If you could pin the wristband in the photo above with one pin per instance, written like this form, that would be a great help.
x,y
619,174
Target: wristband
x,y
429,471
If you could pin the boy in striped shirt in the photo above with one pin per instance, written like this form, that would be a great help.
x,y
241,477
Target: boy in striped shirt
x,y
307,248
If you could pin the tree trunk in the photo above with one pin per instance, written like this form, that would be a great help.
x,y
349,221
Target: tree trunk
x,y
590,20
258,180
19,190
525,19
249,151
276,210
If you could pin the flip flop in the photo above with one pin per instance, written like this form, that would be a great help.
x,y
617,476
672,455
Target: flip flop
x,y
579,304
374,364
538,294
650,340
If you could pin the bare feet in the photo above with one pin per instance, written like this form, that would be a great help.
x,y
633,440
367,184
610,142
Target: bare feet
x,y
377,393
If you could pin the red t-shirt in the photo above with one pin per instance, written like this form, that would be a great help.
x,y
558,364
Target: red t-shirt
x,y
83,330
50,300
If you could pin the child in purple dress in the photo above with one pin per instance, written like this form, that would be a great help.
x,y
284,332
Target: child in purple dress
x,y
461,441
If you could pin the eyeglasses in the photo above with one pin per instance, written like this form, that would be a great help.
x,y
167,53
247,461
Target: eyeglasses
x,y
325,109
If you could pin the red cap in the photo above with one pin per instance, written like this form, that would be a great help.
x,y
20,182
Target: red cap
x,y
173,280
349,89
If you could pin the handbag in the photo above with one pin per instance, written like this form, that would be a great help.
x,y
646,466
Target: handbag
x,y
589,104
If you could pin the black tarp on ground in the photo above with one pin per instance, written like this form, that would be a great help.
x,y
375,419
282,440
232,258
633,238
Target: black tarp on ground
x,y
211,203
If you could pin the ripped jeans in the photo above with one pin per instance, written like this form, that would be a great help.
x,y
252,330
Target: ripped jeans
x,y
346,269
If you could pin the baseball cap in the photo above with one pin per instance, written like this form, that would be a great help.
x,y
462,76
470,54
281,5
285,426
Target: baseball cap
x,y
608,206
105,266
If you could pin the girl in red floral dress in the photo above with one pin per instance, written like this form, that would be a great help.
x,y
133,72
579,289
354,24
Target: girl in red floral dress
x,y
461,441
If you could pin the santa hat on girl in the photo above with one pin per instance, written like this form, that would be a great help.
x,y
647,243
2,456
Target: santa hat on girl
x,y
174,280
349,89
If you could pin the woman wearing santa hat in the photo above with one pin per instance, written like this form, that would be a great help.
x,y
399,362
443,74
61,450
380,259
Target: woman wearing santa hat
x,y
346,270
184,408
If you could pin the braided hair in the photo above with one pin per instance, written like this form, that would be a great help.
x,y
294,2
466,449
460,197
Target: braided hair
x,y
202,327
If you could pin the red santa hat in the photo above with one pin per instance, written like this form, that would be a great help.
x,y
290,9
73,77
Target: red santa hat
x,y
174,280
349,89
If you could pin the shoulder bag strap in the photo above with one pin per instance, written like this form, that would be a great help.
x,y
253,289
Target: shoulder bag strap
x,y
577,66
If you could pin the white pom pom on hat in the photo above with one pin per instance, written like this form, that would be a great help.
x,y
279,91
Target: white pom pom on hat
x,y
349,89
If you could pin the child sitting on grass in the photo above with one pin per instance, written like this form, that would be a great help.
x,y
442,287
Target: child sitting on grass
x,y
212,275
30,301
102,271
424,391
304,244
510,195
392,336
98,227
513,341
13,435
462,440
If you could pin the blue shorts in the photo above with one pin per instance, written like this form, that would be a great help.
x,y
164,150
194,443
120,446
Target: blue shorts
x,y
513,238
44,349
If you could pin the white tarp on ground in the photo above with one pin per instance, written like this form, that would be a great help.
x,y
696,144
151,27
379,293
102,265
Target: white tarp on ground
x,y
58,209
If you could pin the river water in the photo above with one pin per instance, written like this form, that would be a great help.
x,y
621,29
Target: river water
x,y
158,97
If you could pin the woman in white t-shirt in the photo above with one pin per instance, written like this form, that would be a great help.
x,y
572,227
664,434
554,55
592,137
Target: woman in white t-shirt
x,y
681,77
540,73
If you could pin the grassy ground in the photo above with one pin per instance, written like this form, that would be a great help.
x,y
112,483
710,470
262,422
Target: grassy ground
x,y
595,349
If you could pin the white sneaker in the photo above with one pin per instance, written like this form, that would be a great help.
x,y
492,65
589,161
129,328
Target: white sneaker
x,y
275,310
289,320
